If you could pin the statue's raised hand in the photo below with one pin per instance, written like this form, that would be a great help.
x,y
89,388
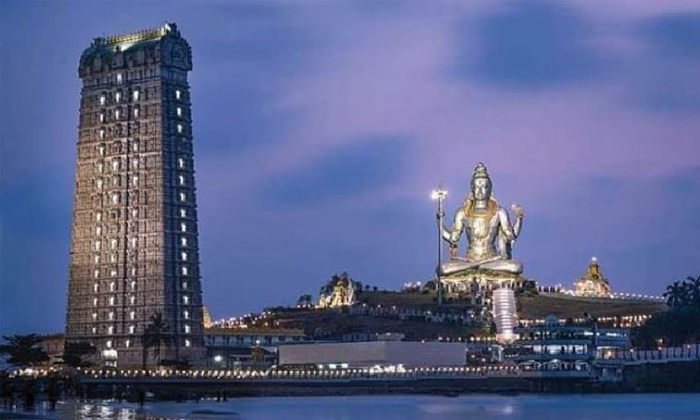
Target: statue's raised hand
x,y
517,210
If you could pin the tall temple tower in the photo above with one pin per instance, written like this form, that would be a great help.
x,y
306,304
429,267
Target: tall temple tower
x,y
134,243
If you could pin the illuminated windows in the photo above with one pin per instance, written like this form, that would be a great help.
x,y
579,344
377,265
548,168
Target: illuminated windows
x,y
183,197
179,128
180,163
179,112
111,301
183,255
183,241
178,94
183,213
181,179
118,96
103,99
183,227
187,329
110,316
132,329
186,314
132,315
184,271
135,95
110,331
188,343
186,300
119,78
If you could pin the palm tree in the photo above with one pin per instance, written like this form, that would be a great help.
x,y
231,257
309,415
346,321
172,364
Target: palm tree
x,y
155,335
75,352
23,350
694,290
675,294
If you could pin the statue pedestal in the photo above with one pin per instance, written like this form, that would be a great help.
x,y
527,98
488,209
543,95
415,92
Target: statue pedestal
x,y
480,287
480,280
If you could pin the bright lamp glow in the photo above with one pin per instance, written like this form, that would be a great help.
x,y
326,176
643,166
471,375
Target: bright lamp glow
x,y
438,194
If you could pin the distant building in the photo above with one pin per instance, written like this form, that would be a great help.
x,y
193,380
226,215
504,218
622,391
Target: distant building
x,y
236,347
557,346
593,283
134,244
53,345
374,353
371,336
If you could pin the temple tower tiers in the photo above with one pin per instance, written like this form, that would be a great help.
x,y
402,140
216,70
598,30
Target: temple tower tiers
x,y
134,241
593,283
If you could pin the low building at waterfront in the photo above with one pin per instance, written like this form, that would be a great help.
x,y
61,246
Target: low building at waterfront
x,y
383,353
558,346
235,347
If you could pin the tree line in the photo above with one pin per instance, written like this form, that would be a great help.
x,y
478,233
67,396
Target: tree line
x,y
25,351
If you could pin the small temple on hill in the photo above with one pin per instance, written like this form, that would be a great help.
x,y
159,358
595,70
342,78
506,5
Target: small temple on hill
x,y
593,283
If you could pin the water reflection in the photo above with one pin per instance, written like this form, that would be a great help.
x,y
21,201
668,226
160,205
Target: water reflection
x,y
388,407
105,411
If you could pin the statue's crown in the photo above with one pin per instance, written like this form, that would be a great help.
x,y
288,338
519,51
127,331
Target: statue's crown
x,y
480,171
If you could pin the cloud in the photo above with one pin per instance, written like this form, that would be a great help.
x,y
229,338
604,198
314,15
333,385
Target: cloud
x,y
666,76
342,172
674,35
529,45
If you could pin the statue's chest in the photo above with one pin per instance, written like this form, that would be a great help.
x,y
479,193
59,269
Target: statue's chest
x,y
480,227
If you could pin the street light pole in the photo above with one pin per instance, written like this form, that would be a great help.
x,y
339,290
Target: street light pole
x,y
439,195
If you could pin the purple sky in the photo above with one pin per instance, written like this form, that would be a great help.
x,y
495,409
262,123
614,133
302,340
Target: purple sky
x,y
321,127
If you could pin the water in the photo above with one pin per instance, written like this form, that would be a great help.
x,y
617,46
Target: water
x,y
387,407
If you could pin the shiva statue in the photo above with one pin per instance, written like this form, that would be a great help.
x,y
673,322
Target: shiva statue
x,y
488,230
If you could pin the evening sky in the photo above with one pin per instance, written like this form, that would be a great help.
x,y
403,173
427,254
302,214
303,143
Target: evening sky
x,y
321,127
